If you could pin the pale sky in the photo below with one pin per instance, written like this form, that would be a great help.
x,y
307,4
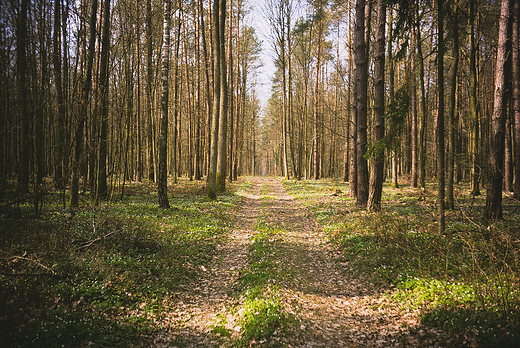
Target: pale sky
x,y
257,20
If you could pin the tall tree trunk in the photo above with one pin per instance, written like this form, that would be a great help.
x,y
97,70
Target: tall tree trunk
x,y
361,59
516,95
451,115
231,97
208,86
212,182
283,52
378,165
235,130
353,186
413,126
176,155
60,119
41,109
498,122
101,192
139,126
128,107
391,78
198,101
508,151
440,117
423,125
291,121
84,105
473,105
222,132
317,95
149,92
66,97
21,71
162,185
348,153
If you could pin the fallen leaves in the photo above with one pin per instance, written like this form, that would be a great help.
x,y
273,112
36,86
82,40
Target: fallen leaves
x,y
333,306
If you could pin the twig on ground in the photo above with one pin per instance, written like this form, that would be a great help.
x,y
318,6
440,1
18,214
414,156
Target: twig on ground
x,y
15,257
88,244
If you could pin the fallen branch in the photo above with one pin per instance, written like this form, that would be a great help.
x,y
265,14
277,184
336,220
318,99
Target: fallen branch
x,y
88,244
33,275
32,260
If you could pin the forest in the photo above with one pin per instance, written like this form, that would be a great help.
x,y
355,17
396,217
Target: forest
x,y
154,191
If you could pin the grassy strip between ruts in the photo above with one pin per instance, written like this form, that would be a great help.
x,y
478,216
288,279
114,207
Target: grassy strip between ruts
x,y
103,276
262,318
465,281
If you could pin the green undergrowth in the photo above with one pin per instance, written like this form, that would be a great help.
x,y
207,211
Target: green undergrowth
x,y
465,281
103,274
263,318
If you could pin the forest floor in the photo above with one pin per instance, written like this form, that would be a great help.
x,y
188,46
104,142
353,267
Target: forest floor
x,y
329,304
271,263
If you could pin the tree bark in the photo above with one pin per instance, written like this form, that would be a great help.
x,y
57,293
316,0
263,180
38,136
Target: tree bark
x,y
508,153
391,82
516,95
212,182
422,130
378,165
413,128
176,153
283,62
222,131
451,115
208,87
317,93
84,104
101,187
60,119
21,70
231,104
162,185
498,121
361,59
473,106
139,131
353,187
149,95
198,100
440,118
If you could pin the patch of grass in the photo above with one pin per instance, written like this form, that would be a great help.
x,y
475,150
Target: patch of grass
x,y
104,273
459,309
219,328
262,315
266,254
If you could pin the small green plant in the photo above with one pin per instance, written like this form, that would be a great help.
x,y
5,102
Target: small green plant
x,y
262,317
262,314
219,328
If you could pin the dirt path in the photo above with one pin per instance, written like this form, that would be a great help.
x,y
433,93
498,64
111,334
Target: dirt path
x,y
191,320
333,306
336,307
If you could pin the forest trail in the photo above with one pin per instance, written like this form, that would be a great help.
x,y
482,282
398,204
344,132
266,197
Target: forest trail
x,y
331,305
